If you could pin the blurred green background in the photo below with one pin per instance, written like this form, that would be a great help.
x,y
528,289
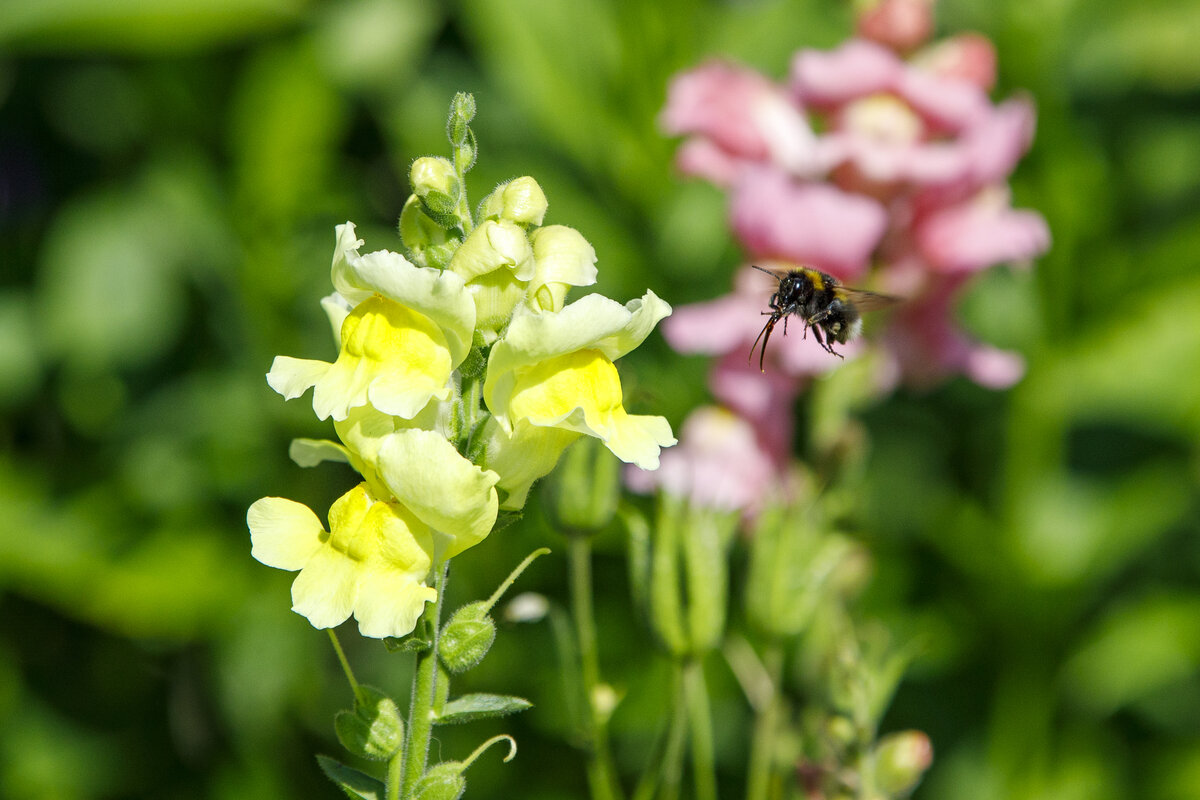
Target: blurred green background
x,y
170,176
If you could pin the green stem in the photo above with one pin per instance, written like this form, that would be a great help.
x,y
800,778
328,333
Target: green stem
x,y
395,775
601,775
671,771
424,694
512,577
766,726
704,768
341,654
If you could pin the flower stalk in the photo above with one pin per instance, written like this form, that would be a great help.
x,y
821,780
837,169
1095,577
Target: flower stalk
x,y
602,779
424,696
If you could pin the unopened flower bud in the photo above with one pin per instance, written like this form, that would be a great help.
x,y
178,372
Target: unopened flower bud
x,y
374,729
898,24
466,637
901,760
564,259
462,111
492,246
521,200
435,182
444,781
496,260
429,243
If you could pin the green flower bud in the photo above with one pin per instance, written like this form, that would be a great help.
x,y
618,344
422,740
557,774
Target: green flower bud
x,y
688,576
521,200
794,567
443,782
446,782
374,729
901,760
583,492
466,637
429,243
436,183
462,111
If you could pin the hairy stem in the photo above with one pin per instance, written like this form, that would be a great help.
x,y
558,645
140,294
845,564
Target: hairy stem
x,y
424,693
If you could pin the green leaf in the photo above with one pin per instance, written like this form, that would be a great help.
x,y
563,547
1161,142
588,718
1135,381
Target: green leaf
x,y
420,640
354,784
506,518
471,707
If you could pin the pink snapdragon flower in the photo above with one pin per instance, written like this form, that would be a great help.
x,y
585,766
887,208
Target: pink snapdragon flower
x,y
904,189
719,464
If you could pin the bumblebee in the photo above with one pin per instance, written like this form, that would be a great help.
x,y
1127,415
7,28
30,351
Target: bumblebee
x,y
833,311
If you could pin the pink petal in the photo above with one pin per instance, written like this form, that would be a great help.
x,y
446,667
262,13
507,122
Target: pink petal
x,y
948,103
808,223
994,368
736,107
715,327
928,345
968,56
703,158
977,234
855,69
718,463
994,146
898,24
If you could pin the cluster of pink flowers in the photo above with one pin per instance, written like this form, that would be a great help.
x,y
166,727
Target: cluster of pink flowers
x,y
882,162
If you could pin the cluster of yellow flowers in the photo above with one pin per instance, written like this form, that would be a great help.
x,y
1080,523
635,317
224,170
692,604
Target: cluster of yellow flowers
x,y
459,381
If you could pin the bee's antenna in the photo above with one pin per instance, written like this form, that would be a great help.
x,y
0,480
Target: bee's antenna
x,y
764,269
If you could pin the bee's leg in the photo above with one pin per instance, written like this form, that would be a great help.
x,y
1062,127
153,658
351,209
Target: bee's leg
x,y
826,343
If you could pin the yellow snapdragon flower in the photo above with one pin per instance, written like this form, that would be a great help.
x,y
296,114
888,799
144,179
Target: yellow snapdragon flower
x,y
551,379
408,328
373,562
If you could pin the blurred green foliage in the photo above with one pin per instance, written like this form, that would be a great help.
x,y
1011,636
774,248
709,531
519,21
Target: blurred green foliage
x,y
170,175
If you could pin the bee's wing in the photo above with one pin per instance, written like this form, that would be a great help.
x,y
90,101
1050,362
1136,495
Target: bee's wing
x,y
864,300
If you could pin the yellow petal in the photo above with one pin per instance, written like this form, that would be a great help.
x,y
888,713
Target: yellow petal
x,y
325,589
283,533
390,602
391,356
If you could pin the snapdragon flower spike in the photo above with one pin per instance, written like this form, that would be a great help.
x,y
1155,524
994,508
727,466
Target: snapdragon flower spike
x,y
408,329
372,562
554,371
